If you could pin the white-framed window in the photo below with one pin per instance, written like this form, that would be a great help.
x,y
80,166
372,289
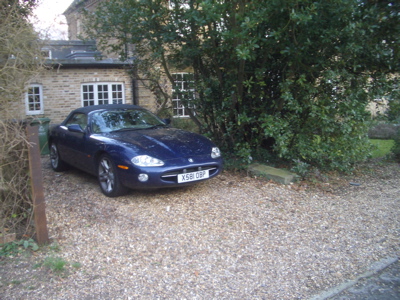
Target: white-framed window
x,y
102,93
34,100
183,92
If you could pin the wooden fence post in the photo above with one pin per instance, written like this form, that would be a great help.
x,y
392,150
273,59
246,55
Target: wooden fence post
x,y
35,171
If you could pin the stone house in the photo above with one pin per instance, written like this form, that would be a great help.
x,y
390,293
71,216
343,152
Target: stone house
x,y
77,76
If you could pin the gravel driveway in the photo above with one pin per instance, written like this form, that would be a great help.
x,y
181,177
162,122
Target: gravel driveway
x,y
233,237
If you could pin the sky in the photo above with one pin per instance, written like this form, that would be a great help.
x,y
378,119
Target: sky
x,y
49,20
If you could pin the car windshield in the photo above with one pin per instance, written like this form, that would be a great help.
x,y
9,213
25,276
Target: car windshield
x,y
124,119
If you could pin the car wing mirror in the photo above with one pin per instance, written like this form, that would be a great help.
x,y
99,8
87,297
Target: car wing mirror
x,y
75,128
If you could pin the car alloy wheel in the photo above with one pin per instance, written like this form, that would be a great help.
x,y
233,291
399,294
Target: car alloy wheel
x,y
108,178
56,163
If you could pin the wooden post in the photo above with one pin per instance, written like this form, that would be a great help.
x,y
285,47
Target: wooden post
x,y
35,170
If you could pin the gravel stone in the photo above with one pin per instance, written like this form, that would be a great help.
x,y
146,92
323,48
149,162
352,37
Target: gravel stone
x,y
232,237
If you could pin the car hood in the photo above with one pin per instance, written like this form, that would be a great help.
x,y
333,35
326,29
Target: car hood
x,y
164,143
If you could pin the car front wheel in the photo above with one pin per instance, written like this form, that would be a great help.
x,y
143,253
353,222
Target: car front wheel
x,y
56,162
108,178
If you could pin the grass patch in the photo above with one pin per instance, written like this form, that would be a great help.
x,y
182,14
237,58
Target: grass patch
x,y
382,147
76,265
56,264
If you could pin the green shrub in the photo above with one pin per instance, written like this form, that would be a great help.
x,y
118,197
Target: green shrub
x,y
396,147
16,247
394,106
301,168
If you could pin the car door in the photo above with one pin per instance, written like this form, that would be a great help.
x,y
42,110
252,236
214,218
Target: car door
x,y
72,142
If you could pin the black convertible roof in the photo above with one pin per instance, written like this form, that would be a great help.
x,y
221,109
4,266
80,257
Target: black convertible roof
x,y
88,109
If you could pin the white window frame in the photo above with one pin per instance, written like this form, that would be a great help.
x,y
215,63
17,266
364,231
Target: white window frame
x,y
34,101
179,110
95,93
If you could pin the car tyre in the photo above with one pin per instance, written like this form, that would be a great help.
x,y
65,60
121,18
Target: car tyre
x,y
57,164
108,178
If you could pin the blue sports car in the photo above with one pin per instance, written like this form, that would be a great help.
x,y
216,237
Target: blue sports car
x,y
126,146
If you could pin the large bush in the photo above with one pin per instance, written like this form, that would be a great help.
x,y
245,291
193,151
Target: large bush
x,y
293,77
396,146
19,62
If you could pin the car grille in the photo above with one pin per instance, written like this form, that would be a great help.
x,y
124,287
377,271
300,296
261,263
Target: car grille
x,y
173,175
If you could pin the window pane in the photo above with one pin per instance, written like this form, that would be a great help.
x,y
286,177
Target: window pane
x,y
88,94
117,87
102,94
117,95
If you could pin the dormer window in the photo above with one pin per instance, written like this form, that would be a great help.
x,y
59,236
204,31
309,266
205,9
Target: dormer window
x,y
46,53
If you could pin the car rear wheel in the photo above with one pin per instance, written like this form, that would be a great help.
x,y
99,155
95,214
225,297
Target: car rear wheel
x,y
57,164
108,178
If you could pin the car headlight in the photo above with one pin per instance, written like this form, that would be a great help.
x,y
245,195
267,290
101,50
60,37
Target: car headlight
x,y
147,161
215,152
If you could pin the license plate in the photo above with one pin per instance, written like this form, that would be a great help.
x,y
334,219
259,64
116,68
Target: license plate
x,y
193,176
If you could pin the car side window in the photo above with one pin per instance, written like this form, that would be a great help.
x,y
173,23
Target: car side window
x,y
79,119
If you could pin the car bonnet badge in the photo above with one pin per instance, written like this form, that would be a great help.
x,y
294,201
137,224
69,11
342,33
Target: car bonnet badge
x,y
190,160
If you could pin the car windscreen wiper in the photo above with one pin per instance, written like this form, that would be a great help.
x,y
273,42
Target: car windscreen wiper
x,y
157,126
125,129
